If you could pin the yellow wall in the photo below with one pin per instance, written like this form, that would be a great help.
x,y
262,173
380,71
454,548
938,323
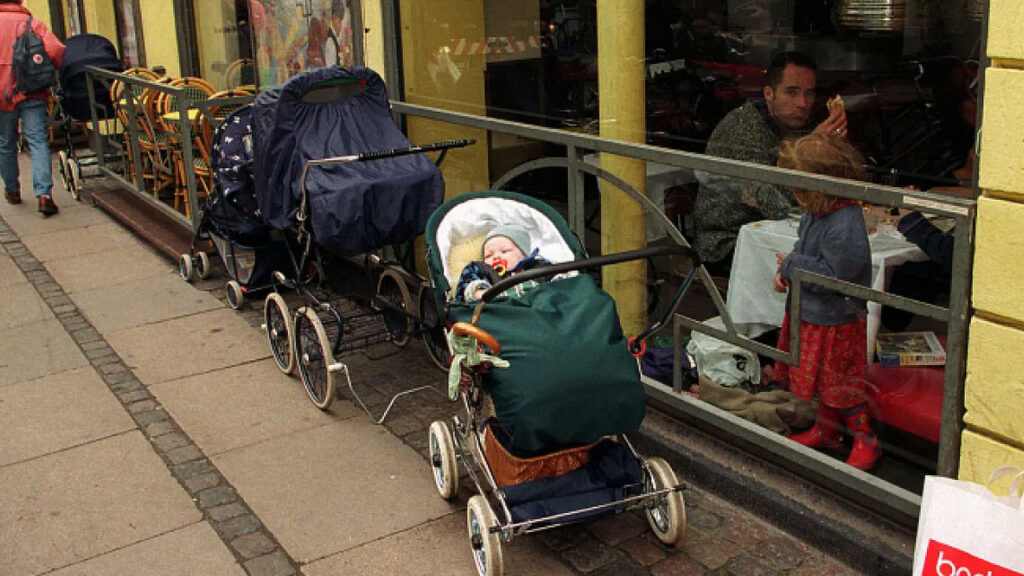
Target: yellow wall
x,y
159,32
373,39
994,395
40,10
99,19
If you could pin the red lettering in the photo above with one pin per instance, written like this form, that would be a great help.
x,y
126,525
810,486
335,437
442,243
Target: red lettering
x,y
944,560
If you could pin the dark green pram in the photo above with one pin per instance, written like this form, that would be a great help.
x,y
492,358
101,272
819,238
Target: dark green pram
x,y
555,450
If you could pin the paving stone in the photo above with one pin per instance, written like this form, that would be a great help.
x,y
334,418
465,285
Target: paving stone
x,y
147,418
712,552
216,496
118,377
703,519
253,545
190,469
62,308
101,355
677,565
617,528
86,335
745,565
142,406
273,564
237,526
137,395
559,539
589,556
184,454
643,551
817,566
403,425
169,442
620,567
202,482
744,530
780,552
95,346
161,428
225,511
113,367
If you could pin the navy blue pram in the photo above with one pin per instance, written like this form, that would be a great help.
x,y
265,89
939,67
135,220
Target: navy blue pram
x,y
230,217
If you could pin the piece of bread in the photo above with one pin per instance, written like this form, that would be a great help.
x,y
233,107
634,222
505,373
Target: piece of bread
x,y
835,104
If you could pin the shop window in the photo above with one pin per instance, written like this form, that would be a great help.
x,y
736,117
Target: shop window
x,y
291,36
224,39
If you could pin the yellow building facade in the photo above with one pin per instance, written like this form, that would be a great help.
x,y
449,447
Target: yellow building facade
x,y
994,397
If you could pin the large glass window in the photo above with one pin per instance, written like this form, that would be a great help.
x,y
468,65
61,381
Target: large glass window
x,y
223,33
906,71
291,36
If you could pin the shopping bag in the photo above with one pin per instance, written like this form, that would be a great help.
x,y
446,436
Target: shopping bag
x,y
966,530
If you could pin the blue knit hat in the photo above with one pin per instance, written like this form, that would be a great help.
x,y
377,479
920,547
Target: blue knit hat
x,y
517,234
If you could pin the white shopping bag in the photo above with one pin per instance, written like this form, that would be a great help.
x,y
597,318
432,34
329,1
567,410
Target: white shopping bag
x,y
966,530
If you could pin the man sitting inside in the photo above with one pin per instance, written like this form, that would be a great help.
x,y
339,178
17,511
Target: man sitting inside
x,y
752,133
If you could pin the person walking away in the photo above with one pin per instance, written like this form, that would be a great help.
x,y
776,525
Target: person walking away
x,y
832,241
29,108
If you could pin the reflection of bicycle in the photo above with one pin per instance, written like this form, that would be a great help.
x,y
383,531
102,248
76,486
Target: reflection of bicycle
x,y
569,29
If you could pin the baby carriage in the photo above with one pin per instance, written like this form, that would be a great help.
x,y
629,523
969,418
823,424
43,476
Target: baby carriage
x,y
230,219
333,172
555,450
83,50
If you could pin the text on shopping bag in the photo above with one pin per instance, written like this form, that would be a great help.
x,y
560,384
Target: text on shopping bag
x,y
946,560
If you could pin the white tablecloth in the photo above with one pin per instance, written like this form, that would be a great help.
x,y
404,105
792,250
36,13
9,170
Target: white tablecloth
x,y
751,299
660,177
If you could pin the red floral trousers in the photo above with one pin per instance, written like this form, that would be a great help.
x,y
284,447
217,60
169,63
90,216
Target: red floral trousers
x,y
832,363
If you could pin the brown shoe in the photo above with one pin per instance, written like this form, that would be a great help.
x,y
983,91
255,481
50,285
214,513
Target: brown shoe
x,y
12,197
46,206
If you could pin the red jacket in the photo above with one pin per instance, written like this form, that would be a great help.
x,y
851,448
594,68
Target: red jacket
x,y
12,24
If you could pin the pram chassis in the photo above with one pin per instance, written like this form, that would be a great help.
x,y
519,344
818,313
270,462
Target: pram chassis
x,y
660,494
303,339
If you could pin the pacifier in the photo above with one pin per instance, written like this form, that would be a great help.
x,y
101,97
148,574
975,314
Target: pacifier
x,y
500,266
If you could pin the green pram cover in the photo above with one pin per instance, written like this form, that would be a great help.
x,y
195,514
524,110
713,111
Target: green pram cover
x,y
571,379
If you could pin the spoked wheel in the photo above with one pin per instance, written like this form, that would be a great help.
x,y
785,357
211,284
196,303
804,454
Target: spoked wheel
x,y
185,268
391,289
62,167
75,176
278,321
202,265
442,460
313,352
432,328
486,544
667,515
236,297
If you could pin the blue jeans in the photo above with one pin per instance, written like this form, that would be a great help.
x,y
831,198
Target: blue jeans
x,y
33,126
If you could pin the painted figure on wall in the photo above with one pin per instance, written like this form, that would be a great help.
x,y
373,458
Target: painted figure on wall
x,y
296,35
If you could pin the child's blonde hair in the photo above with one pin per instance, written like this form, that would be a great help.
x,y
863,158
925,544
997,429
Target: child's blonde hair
x,y
821,153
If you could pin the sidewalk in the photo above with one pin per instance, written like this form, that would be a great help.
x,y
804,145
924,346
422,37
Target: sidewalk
x,y
144,428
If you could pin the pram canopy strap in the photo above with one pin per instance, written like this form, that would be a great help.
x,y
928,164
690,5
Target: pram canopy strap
x,y
353,207
570,378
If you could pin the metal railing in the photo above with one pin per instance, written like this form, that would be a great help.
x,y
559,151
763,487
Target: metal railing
x,y
871,491
161,159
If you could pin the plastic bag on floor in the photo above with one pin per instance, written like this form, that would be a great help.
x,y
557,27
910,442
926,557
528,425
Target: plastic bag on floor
x,y
723,363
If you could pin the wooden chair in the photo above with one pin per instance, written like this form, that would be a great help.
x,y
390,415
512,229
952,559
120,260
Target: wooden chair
x,y
192,90
240,73
119,100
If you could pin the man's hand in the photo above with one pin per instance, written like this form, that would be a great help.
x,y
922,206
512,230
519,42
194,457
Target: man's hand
x,y
836,122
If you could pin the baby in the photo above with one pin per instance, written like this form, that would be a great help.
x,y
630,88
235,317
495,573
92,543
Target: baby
x,y
505,251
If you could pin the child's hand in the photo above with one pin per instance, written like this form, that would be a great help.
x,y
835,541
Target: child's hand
x,y
781,284
779,257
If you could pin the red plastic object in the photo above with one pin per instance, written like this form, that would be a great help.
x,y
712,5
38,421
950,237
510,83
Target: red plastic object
x,y
908,398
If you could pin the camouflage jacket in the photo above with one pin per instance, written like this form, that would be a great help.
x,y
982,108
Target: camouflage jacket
x,y
748,133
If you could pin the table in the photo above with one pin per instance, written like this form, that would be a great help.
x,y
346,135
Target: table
x,y
753,303
660,177
192,114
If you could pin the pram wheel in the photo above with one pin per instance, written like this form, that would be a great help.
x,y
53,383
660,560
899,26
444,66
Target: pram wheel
x,y
667,515
442,460
486,544
185,269
75,176
62,166
236,297
434,338
392,291
278,322
313,352
202,265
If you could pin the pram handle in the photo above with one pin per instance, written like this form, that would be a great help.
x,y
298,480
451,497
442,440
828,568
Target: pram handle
x,y
391,153
598,262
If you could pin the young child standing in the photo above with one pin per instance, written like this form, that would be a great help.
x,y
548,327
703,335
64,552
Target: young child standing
x,y
832,242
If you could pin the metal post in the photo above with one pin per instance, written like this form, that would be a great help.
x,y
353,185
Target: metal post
x,y
186,153
577,210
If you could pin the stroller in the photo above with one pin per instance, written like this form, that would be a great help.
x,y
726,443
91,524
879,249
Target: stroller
x,y
555,451
333,172
230,219
83,50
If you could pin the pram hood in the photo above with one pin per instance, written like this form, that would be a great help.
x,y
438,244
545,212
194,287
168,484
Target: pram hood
x,y
84,50
353,207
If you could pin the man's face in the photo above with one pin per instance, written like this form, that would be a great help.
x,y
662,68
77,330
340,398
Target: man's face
x,y
790,102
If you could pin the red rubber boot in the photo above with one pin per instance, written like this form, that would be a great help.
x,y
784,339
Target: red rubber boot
x,y
825,432
866,449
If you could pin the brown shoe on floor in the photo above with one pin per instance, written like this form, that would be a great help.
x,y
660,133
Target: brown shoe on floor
x,y
46,206
12,197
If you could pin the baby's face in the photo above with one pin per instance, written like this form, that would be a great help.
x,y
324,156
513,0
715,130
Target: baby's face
x,y
500,248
